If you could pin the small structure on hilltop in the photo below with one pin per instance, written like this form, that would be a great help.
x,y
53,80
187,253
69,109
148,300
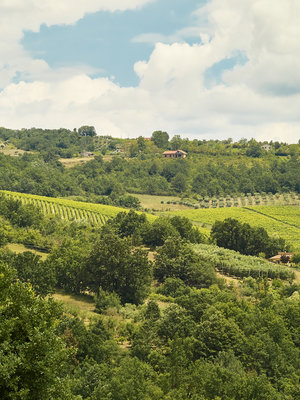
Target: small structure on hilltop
x,y
87,154
266,147
174,154
281,258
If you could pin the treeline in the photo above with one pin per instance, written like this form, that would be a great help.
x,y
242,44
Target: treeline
x,y
111,180
68,143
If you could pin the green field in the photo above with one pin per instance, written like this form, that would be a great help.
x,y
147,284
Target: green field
x,y
279,221
70,210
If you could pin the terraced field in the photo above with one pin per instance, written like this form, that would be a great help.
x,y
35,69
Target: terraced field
x,y
69,210
283,221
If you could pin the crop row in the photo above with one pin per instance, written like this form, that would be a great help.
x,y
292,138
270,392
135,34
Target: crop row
x,y
229,262
65,209
244,199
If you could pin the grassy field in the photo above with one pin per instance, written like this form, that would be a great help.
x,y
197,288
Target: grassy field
x,y
160,203
82,305
280,221
10,150
20,248
71,162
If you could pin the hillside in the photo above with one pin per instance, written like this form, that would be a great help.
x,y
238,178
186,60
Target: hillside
x,y
69,209
279,221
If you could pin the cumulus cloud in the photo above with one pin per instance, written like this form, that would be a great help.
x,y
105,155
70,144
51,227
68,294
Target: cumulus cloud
x,y
258,99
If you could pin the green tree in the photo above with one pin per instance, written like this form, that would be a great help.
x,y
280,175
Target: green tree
x,y
160,139
179,183
68,261
86,130
141,143
115,266
160,230
176,142
254,149
31,269
33,358
186,229
176,259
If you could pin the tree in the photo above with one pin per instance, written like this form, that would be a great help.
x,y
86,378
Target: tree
x,y
248,240
186,229
31,269
68,262
86,130
160,139
115,266
141,143
160,230
176,142
32,356
130,224
176,259
178,183
254,149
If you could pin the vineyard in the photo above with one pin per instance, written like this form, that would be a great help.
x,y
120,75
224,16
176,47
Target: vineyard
x,y
244,200
68,210
279,221
229,262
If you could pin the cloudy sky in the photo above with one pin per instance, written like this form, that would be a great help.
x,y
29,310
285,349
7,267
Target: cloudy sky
x,y
198,68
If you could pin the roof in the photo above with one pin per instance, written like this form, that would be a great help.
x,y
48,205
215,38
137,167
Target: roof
x,y
278,256
174,152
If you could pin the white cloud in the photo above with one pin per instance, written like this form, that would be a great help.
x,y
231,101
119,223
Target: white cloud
x,y
259,99
16,16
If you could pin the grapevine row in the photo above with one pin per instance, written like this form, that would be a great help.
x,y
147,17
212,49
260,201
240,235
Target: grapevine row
x,y
52,206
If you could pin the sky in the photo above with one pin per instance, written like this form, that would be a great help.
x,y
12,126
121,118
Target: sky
x,y
206,69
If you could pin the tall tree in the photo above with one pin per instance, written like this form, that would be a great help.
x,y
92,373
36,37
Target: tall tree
x,y
32,356
160,139
115,266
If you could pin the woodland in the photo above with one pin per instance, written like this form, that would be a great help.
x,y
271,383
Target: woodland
x,y
173,314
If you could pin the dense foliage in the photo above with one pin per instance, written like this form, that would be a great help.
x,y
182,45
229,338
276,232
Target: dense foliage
x,y
245,239
212,168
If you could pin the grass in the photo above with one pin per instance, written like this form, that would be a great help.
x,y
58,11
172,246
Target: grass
x,y
11,150
82,305
72,162
20,248
155,202
280,221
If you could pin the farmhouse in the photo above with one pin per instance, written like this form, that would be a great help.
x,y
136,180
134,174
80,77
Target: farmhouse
x,y
175,154
282,257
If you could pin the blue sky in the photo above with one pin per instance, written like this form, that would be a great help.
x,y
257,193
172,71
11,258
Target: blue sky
x,y
106,41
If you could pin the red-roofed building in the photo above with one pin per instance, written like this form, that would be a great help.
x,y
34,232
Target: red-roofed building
x,y
174,154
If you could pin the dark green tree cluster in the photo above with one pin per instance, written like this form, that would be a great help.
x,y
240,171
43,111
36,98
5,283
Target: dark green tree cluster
x,y
245,239
154,234
34,359
18,214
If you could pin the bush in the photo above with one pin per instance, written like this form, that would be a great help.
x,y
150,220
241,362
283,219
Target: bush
x,y
105,300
